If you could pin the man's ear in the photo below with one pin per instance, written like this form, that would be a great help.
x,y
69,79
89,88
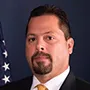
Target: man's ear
x,y
70,45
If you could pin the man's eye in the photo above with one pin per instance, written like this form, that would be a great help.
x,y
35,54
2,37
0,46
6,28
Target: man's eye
x,y
50,38
31,39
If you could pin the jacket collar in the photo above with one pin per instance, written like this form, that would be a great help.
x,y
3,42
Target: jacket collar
x,y
69,83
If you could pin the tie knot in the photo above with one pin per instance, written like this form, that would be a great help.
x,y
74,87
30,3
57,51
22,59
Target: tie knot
x,y
41,87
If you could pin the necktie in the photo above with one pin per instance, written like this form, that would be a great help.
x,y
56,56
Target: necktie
x,y
41,87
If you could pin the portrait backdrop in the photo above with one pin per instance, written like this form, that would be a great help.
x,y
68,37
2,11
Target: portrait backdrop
x,y
13,17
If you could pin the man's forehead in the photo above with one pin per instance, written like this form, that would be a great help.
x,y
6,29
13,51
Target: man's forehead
x,y
43,33
55,33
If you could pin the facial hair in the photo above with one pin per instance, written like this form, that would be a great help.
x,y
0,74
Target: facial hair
x,y
41,68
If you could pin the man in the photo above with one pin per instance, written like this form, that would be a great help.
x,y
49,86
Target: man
x,y
48,47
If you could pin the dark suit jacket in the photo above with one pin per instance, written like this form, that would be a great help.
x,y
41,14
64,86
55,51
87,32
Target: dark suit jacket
x,y
71,83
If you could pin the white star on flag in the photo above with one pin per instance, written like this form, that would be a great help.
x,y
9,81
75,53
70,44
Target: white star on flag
x,y
5,53
3,42
6,66
6,79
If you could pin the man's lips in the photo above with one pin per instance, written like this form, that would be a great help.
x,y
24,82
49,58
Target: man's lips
x,y
40,58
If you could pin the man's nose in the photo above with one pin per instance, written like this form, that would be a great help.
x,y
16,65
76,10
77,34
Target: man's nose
x,y
40,45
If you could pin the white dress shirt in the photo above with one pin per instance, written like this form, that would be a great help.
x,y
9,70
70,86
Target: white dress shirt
x,y
53,84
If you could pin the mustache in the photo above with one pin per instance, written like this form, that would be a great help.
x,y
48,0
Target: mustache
x,y
38,54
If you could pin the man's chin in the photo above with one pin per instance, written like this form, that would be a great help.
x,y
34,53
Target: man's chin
x,y
42,69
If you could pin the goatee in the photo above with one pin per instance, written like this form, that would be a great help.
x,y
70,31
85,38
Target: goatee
x,y
41,68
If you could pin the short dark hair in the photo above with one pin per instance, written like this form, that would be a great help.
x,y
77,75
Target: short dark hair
x,y
52,10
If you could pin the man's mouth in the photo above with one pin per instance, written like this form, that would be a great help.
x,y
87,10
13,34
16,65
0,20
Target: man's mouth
x,y
40,58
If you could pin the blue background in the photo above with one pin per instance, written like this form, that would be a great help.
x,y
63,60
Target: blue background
x,y
14,15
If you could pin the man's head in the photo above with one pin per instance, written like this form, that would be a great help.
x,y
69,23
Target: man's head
x,y
48,40
52,10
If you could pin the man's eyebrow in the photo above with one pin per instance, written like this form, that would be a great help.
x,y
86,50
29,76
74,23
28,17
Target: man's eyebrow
x,y
48,32
31,34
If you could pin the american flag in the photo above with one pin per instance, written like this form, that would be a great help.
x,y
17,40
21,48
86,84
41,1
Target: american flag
x,y
5,71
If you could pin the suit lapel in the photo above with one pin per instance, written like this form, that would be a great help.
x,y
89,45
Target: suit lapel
x,y
69,83
28,83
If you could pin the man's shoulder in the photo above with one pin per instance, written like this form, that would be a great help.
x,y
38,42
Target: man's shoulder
x,y
23,84
82,84
25,80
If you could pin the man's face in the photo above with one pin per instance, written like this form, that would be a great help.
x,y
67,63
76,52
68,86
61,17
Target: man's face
x,y
47,51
